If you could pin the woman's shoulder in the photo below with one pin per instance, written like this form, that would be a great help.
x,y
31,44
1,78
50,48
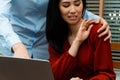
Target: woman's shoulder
x,y
95,28
94,34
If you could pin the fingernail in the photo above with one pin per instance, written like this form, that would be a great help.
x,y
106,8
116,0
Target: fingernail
x,y
98,31
104,39
99,36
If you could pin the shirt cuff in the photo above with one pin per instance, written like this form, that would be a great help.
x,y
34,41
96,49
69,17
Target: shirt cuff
x,y
89,15
11,40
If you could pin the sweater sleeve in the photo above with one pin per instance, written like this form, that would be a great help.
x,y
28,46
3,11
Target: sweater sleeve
x,y
62,65
103,66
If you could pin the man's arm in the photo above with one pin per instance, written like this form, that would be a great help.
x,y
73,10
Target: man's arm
x,y
6,30
5,27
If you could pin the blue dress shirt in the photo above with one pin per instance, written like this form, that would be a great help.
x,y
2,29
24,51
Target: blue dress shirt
x,y
24,21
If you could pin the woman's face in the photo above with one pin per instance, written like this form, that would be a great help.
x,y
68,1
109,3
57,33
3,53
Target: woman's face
x,y
71,10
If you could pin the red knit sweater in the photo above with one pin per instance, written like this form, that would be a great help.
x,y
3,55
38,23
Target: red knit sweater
x,y
93,62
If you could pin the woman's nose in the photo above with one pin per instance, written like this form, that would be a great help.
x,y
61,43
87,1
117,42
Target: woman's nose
x,y
72,9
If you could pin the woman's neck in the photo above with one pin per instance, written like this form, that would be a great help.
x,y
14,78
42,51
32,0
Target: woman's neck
x,y
73,28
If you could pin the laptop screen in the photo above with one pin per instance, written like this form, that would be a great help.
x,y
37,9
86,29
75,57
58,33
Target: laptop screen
x,y
24,69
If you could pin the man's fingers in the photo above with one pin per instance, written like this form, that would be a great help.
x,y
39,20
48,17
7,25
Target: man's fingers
x,y
104,25
108,37
105,32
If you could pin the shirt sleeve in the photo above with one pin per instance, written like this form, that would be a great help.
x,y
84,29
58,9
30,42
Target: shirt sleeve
x,y
89,15
63,65
6,30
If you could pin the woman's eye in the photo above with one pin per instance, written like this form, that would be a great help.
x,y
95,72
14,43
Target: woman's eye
x,y
77,3
65,5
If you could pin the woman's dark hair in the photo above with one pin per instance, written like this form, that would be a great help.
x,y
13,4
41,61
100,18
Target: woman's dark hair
x,y
56,27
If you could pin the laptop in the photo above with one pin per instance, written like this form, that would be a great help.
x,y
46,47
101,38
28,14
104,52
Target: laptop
x,y
24,69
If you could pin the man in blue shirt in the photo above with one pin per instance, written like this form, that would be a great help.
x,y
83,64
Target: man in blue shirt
x,y
22,28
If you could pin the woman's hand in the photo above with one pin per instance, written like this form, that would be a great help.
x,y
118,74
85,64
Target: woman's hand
x,y
20,51
84,30
82,34
105,28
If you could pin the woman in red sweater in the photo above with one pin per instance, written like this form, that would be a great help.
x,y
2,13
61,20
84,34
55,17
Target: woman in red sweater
x,y
75,50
